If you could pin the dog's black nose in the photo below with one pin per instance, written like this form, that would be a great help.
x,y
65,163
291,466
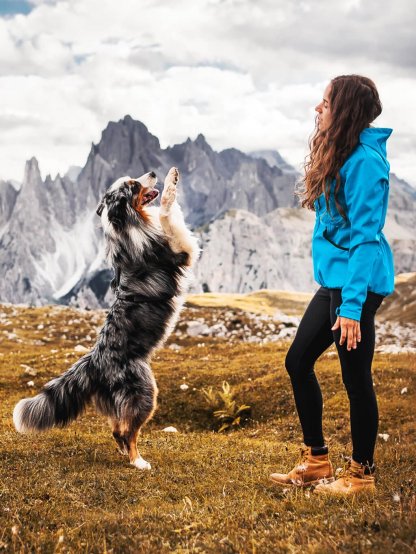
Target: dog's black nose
x,y
152,174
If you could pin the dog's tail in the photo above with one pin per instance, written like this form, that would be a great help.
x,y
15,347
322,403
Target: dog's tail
x,y
61,401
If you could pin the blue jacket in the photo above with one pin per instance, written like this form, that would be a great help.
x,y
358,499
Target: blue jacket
x,y
353,254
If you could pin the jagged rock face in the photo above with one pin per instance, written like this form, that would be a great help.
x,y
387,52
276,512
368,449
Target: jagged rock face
x,y
242,207
243,252
8,195
126,148
213,182
19,245
48,244
402,196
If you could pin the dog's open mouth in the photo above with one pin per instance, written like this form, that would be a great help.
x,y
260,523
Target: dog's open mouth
x,y
148,197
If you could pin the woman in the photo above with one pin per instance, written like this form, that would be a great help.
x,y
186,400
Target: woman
x,y
347,184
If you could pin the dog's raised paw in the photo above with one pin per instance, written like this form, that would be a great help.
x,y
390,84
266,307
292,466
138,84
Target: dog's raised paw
x,y
172,176
169,191
141,463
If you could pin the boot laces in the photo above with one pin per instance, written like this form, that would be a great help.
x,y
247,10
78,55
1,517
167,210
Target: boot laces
x,y
348,472
302,465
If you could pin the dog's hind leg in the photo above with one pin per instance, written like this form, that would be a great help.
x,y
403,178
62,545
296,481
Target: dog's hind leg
x,y
125,434
138,410
126,438
115,427
135,458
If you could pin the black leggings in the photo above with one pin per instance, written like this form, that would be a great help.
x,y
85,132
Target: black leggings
x,y
313,337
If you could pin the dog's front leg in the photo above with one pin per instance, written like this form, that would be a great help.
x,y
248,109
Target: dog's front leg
x,y
171,219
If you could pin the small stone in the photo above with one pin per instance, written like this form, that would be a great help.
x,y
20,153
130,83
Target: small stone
x,y
384,436
175,347
80,348
404,390
170,429
196,328
218,329
29,370
184,386
30,383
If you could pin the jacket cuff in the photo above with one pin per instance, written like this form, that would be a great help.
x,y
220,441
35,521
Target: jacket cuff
x,y
350,314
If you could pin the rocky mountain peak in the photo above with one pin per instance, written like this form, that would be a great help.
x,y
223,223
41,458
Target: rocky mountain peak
x,y
8,195
132,135
32,176
202,144
33,198
126,148
274,159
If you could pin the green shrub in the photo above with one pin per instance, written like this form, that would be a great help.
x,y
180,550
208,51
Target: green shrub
x,y
225,407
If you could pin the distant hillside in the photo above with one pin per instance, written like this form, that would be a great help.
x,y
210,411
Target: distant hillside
x,y
401,305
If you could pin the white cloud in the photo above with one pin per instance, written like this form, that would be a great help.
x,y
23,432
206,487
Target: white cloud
x,y
245,74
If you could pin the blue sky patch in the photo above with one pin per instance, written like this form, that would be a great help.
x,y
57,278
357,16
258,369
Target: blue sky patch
x,y
12,7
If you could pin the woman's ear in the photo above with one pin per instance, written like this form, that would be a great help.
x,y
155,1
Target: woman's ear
x,y
117,213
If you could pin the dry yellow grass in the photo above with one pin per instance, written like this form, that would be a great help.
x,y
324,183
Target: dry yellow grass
x,y
259,302
70,491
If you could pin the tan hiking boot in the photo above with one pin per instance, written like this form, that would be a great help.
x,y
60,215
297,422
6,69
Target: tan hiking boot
x,y
352,480
311,469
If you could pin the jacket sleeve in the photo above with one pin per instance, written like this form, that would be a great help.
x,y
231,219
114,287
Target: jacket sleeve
x,y
366,195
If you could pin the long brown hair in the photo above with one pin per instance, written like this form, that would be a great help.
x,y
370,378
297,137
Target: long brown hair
x,y
354,103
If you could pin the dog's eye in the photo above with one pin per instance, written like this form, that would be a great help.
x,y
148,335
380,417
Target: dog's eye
x,y
135,188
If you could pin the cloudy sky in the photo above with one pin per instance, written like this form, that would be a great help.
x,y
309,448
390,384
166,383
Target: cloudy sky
x,y
245,73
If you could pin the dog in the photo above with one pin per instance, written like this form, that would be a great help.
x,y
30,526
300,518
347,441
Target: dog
x,y
152,252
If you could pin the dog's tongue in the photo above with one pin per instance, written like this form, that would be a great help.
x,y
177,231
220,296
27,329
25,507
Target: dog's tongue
x,y
149,196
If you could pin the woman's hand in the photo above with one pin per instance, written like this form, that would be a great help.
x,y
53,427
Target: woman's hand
x,y
350,330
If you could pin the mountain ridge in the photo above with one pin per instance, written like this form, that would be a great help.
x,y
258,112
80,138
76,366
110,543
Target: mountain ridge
x,y
242,206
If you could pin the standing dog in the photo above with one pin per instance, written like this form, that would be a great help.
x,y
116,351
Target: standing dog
x,y
152,253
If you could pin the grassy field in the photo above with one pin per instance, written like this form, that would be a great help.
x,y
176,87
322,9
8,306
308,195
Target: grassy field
x,y
70,491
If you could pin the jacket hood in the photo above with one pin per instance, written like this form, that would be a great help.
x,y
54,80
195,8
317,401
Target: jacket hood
x,y
376,138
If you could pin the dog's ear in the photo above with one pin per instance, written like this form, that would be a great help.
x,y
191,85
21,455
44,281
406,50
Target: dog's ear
x,y
100,208
116,212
